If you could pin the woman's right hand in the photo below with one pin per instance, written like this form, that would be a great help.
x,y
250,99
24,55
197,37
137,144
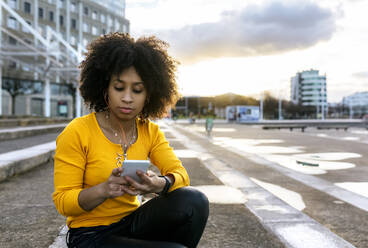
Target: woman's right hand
x,y
90,198
113,186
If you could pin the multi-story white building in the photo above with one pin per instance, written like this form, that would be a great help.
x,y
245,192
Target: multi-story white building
x,y
42,42
308,88
357,103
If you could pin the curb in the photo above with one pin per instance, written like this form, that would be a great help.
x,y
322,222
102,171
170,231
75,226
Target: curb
x,y
20,161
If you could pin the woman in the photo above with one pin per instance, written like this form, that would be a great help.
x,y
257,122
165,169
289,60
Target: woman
x,y
125,82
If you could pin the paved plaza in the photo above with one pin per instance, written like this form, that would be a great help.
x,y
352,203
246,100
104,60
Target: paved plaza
x,y
267,188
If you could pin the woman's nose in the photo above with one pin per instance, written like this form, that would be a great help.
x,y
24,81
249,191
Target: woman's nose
x,y
127,96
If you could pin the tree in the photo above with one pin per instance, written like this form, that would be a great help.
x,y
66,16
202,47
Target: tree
x,y
16,87
234,99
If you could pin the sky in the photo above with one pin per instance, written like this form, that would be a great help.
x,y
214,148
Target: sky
x,y
251,46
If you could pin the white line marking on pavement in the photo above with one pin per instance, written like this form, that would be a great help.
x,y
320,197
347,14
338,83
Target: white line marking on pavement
x,y
360,188
312,181
290,197
222,194
309,180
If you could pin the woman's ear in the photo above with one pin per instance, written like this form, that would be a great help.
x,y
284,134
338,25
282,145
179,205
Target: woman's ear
x,y
106,97
147,100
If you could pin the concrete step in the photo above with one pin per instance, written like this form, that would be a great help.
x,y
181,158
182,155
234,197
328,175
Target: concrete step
x,y
23,148
21,132
22,122
20,161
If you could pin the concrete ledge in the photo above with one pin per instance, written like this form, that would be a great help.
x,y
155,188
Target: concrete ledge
x,y
19,161
20,132
60,241
31,121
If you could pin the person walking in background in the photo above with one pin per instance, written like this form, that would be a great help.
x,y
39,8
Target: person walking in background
x,y
125,82
209,125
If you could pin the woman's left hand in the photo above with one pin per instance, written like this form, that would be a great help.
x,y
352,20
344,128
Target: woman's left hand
x,y
151,183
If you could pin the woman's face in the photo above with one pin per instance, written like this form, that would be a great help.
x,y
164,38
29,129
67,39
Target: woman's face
x,y
126,94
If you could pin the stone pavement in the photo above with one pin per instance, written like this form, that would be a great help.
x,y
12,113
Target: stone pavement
x,y
241,214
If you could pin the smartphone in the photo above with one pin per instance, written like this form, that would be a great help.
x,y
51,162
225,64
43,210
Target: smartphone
x,y
131,166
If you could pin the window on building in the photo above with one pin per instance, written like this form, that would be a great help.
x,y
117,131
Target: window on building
x,y
12,23
12,41
74,23
109,21
13,4
51,16
103,31
27,7
117,25
85,27
73,7
94,30
103,18
26,67
12,65
61,20
85,42
55,89
40,12
28,41
94,15
85,11
59,89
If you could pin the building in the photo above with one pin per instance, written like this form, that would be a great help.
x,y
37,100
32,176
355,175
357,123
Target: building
x,y
357,103
42,42
308,88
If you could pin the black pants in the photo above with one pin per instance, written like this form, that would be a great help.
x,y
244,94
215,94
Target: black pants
x,y
174,220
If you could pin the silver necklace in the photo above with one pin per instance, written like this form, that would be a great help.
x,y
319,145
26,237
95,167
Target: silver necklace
x,y
124,146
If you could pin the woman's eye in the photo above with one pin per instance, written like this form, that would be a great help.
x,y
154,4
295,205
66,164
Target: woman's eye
x,y
119,89
137,91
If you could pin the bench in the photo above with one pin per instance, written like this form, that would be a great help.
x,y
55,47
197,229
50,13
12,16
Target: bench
x,y
333,127
290,127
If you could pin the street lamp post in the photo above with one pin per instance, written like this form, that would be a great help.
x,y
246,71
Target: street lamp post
x,y
280,110
261,107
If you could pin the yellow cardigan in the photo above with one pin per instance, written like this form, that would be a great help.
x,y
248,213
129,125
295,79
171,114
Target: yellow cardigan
x,y
84,157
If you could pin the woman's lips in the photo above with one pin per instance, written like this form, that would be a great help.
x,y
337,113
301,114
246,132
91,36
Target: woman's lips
x,y
126,110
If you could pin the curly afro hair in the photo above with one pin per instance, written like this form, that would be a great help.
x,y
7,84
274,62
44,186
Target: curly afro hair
x,y
110,54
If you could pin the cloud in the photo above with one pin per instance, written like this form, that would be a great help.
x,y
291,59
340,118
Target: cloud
x,y
271,28
362,74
